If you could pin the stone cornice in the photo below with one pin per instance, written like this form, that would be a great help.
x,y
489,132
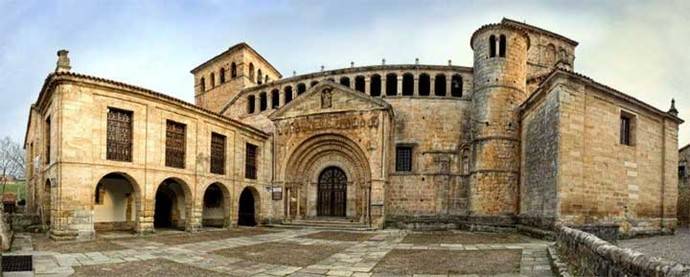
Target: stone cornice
x,y
54,79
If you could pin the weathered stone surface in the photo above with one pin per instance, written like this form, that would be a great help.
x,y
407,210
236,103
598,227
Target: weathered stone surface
x,y
518,138
589,255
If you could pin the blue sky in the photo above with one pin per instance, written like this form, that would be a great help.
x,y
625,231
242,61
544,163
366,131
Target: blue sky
x,y
638,47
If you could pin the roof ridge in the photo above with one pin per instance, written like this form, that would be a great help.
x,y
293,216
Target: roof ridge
x,y
509,21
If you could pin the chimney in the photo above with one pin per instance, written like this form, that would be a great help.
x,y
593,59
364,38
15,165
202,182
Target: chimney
x,y
450,62
63,61
416,61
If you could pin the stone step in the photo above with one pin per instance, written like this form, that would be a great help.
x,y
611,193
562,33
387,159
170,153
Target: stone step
x,y
325,225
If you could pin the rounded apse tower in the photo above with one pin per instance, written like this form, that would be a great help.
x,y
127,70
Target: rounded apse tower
x,y
500,72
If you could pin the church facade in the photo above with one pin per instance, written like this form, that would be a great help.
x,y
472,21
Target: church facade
x,y
519,138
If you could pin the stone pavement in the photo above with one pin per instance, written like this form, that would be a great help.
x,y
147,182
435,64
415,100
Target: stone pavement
x,y
358,258
674,247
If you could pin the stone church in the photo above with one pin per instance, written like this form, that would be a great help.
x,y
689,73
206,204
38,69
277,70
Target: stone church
x,y
517,139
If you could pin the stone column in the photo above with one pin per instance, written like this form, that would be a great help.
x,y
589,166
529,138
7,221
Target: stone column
x,y
432,85
416,86
299,201
399,86
367,85
288,202
281,97
449,82
257,103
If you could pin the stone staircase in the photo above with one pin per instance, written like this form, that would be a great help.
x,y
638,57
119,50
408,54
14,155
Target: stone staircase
x,y
325,224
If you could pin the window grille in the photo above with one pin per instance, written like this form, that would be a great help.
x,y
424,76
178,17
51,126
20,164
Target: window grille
x,y
175,144
217,153
119,134
250,161
403,159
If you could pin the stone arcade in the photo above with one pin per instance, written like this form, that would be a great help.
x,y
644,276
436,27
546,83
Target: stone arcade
x,y
519,138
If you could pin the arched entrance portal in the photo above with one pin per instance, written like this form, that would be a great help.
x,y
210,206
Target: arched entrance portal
x,y
247,210
171,205
332,192
116,202
215,206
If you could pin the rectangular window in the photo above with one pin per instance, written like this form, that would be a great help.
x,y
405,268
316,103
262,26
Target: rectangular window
x,y
250,161
47,140
403,158
217,153
175,144
682,171
119,135
627,128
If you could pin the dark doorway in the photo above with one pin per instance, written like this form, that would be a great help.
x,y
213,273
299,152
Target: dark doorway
x,y
332,192
170,209
213,214
162,217
246,211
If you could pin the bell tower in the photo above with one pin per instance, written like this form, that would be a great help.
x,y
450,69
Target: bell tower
x,y
500,72
219,79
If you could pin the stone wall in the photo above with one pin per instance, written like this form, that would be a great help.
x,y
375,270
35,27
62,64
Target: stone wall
x,y
684,187
588,255
539,163
601,180
78,107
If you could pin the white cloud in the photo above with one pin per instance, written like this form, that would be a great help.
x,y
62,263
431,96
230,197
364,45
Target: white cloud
x,y
637,47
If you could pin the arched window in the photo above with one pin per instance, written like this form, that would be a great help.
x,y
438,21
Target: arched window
x,y
550,55
563,56
301,88
266,79
360,83
233,70
263,101
440,85
465,162
258,77
456,86
313,83
222,75
251,72
424,84
502,46
275,98
251,103
213,80
288,94
492,46
391,84
375,85
408,84
345,81
202,84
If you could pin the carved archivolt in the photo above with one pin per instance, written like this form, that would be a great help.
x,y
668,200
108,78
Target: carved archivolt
x,y
305,159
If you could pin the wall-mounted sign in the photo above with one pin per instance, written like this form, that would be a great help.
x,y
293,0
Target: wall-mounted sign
x,y
277,193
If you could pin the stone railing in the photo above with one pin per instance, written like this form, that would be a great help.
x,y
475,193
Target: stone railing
x,y
588,255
